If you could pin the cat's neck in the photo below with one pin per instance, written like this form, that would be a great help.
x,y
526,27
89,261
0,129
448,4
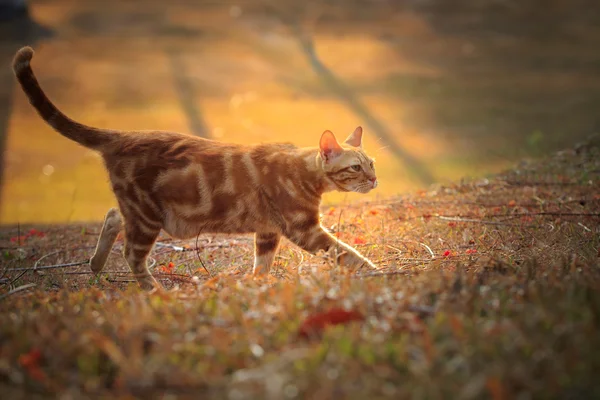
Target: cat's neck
x,y
317,177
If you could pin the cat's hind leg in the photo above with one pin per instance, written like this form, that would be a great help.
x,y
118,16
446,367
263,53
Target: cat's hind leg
x,y
139,240
265,246
113,224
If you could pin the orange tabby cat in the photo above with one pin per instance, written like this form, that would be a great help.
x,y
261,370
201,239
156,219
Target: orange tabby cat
x,y
187,185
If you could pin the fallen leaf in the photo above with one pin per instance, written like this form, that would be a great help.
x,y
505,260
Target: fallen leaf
x,y
31,363
32,358
359,240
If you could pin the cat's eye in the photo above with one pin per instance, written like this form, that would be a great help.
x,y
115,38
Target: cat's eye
x,y
356,167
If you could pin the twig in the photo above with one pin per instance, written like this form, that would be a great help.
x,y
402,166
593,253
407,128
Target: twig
x,y
428,249
540,183
337,234
549,213
382,274
172,246
407,261
73,264
18,277
35,265
584,227
18,289
199,259
477,221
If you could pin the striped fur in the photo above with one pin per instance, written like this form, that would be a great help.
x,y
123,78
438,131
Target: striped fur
x,y
187,185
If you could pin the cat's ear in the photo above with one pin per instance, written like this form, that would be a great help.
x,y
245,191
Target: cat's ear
x,y
329,146
355,138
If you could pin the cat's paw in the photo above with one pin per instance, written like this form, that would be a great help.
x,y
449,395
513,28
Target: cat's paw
x,y
96,264
368,264
148,283
356,261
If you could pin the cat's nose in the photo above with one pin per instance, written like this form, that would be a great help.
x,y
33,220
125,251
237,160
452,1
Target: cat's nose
x,y
373,181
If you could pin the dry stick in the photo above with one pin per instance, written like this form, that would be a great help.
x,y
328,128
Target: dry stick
x,y
35,265
428,249
19,276
550,213
337,237
478,221
73,264
407,260
382,274
199,259
18,289
539,183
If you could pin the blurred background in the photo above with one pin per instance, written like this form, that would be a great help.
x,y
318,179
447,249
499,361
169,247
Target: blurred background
x,y
444,89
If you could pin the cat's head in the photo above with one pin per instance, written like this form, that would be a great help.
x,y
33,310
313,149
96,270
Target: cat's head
x,y
347,165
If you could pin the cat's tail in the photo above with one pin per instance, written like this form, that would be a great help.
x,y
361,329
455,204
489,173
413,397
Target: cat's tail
x,y
87,136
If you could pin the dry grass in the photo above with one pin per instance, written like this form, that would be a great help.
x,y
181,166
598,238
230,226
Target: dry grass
x,y
487,289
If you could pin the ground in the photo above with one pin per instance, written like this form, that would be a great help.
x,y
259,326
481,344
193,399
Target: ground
x,y
488,288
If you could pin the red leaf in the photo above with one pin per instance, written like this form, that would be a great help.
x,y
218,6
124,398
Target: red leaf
x,y
32,358
359,240
512,203
447,253
471,251
316,323
374,211
451,224
165,269
31,363
19,239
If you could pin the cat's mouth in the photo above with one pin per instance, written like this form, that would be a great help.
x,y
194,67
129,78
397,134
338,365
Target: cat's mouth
x,y
366,188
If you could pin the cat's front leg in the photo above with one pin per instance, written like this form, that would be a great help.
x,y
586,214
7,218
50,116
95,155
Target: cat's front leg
x,y
265,246
315,238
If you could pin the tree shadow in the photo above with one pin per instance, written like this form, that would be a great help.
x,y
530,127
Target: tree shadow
x,y
187,95
511,79
335,85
